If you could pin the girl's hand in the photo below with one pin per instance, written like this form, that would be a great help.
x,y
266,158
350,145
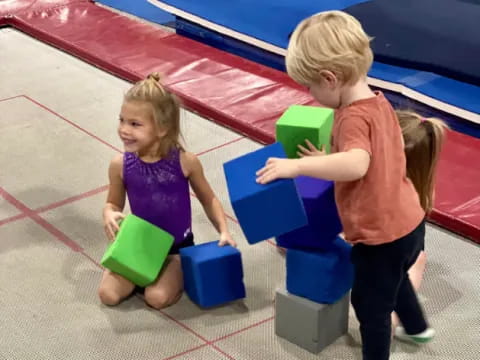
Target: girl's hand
x,y
226,238
311,151
111,220
277,169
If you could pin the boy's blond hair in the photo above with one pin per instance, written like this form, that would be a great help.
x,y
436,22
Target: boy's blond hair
x,y
330,40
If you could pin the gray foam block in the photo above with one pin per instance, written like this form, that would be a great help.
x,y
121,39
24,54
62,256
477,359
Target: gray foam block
x,y
308,324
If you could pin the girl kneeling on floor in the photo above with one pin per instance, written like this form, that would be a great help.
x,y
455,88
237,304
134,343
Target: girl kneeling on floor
x,y
155,172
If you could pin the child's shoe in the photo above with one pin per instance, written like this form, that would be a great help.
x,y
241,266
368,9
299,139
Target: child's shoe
x,y
421,338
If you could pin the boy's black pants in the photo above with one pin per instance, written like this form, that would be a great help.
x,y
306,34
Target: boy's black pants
x,y
381,285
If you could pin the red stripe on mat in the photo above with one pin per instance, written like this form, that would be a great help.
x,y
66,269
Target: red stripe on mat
x,y
14,7
233,91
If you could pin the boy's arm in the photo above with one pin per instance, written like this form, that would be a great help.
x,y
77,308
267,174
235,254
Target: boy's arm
x,y
344,166
350,163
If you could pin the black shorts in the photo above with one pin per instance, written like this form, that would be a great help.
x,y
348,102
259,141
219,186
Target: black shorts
x,y
188,241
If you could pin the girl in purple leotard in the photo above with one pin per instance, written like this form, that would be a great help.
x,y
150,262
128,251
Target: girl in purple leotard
x,y
155,173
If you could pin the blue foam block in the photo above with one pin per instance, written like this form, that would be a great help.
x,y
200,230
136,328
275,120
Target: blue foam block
x,y
213,275
323,222
321,276
263,211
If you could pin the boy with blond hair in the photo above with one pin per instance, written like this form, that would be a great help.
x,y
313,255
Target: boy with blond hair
x,y
379,207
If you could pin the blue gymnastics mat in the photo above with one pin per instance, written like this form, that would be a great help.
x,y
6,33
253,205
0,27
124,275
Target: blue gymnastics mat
x,y
438,36
268,20
142,9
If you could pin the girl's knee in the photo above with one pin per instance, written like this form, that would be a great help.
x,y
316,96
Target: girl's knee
x,y
159,298
109,297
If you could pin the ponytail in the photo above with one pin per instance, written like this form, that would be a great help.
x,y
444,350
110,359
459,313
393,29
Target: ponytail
x,y
423,138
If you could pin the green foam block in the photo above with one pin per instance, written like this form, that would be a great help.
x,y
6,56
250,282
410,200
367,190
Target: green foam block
x,y
139,251
302,122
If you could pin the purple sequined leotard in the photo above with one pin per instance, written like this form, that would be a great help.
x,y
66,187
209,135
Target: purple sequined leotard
x,y
159,193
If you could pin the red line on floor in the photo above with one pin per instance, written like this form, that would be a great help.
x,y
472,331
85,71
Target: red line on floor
x,y
185,352
72,199
222,352
12,219
212,343
55,205
231,218
207,342
270,242
244,329
11,98
40,221
185,327
92,260
71,123
103,141
220,146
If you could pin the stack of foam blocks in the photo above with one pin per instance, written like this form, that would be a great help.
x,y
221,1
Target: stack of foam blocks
x,y
312,311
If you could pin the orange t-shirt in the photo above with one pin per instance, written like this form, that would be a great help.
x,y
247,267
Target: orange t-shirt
x,y
383,205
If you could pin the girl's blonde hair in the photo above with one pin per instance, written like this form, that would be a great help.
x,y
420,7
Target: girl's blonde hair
x,y
330,40
165,110
423,139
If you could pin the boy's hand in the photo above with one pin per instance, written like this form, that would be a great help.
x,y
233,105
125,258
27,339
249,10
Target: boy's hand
x,y
111,220
226,238
276,169
311,151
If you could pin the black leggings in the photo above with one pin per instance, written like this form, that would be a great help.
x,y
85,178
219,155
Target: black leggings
x,y
381,285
